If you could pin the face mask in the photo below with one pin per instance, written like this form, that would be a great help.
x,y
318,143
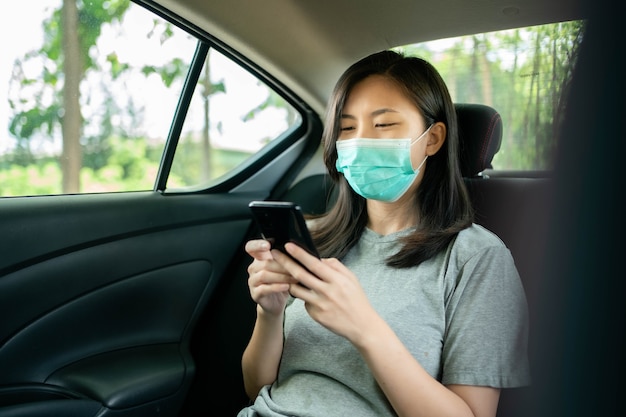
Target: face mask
x,y
378,169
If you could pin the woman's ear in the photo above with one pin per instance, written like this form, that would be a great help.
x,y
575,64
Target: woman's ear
x,y
436,137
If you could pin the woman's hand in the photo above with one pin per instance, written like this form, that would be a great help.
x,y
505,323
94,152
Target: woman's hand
x,y
332,294
268,280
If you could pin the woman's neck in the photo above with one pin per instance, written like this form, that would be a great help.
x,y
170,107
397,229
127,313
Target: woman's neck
x,y
387,218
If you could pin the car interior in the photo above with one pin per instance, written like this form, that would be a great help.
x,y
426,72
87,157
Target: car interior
x,y
128,304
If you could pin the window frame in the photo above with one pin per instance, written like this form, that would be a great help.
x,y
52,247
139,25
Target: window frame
x,y
310,125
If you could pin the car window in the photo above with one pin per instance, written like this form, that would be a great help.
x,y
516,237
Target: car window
x,y
231,117
522,73
99,120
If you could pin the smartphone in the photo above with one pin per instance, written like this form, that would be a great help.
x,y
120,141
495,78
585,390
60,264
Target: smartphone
x,y
281,222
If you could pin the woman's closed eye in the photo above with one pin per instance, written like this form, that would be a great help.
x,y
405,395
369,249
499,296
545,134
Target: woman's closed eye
x,y
385,125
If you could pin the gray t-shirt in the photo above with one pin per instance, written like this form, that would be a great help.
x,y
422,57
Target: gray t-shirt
x,y
462,315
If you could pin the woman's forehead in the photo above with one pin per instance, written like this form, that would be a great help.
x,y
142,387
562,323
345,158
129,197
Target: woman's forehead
x,y
376,95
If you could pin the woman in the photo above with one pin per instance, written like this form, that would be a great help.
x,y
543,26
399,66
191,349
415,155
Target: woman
x,y
413,310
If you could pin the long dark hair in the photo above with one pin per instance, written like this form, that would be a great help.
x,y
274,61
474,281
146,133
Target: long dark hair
x,y
441,199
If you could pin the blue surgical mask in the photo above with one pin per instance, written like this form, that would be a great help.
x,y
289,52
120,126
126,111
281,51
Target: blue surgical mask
x,y
378,169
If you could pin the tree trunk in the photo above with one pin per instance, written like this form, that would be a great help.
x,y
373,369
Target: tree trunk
x,y
206,139
71,159
452,81
472,84
485,72
538,128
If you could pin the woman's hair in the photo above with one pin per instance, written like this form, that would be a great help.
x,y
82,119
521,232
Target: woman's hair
x,y
441,199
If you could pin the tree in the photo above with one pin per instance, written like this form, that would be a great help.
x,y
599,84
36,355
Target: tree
x,y
208,89
71,121
69,34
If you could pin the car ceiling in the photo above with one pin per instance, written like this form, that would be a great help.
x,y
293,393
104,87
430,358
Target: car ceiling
x,y
306,44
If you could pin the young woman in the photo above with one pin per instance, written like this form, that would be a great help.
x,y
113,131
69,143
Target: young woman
x,y
413,310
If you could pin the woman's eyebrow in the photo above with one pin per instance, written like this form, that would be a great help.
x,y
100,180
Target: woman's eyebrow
x,y
377,112
383,111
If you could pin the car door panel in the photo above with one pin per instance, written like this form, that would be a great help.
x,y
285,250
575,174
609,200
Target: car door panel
x,y
56,407
99,296
126,378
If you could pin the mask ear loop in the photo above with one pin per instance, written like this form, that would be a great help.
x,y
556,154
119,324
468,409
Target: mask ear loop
x,y
415,141
422,135
420,165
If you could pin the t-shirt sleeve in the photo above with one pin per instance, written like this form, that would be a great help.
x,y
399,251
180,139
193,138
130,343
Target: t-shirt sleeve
x,y
486,335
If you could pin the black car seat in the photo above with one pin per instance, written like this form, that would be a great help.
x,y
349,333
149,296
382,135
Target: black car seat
x,y
515,207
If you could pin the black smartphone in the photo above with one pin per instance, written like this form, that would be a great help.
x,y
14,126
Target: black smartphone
x,y
281,222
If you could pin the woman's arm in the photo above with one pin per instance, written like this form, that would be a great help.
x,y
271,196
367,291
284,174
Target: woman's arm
x,y
269,288
260,360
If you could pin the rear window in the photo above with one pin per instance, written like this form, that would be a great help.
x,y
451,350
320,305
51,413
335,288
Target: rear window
x,y
93,115
522,73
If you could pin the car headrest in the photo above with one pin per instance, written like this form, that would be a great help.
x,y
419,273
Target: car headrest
x,y
480,134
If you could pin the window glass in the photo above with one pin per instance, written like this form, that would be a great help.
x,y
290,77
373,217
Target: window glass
x,y
232,116
522,73
90,114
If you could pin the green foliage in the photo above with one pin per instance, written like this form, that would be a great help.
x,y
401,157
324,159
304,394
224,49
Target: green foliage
x,y
92,15
527,86
44,115
173,70
29,121
132,165
117,67
41,179
187,167
129,168
273,100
